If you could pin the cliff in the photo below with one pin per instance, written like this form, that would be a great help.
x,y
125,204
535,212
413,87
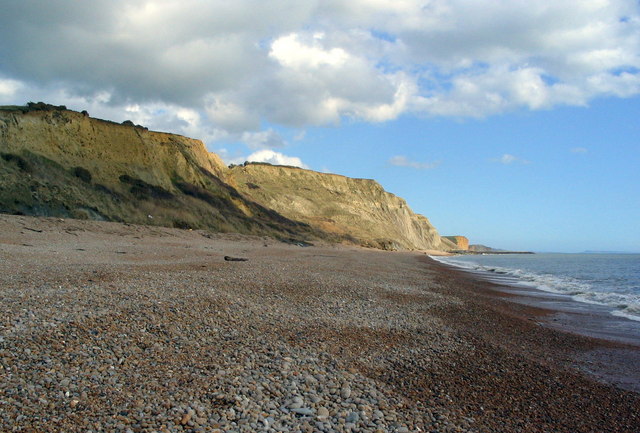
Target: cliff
x,y
56,162
357,208
461,242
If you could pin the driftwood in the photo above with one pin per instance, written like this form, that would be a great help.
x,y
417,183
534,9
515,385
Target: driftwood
x,y
235,259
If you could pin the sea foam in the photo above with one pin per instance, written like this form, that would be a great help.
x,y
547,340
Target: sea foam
x,y
577,276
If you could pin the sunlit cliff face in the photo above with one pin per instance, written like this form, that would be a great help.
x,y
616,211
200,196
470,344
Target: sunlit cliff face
x,y
57,162
360,208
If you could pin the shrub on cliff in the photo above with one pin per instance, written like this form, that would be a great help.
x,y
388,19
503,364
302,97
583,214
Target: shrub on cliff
x,y
19,161
82,174
143,190
42,106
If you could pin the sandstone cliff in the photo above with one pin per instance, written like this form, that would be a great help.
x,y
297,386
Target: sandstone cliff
x,y
461,242
357,208
56,162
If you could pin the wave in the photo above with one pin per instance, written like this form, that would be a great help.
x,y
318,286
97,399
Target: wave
x,y
623,303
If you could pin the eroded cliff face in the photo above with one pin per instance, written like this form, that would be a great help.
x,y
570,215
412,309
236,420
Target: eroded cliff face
x,y
461,242
108,150
357,208
56,162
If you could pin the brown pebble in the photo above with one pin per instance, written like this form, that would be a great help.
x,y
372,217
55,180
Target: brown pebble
x,y
186,418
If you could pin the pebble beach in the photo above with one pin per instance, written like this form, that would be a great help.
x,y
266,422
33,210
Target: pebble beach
x,y
108,327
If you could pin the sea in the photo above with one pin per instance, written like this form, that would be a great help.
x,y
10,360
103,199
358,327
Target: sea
x,y
611,281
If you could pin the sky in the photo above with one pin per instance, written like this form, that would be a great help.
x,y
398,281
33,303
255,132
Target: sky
x,y
514,123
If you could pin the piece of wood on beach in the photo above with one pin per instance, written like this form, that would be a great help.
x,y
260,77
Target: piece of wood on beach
x,y
235,259
33,230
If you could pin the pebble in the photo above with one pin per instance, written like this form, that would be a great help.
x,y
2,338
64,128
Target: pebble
x,y
353,417
303,411
187,417
323,413
345,392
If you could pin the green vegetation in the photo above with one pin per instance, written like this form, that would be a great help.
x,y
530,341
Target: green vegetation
x,y
142,190
33,106
18,160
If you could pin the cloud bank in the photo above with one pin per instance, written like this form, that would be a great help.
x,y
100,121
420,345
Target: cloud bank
x,y
221,70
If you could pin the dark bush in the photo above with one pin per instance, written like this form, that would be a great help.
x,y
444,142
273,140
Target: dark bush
x,y
143,190
83,174
19,161
105,190
41,106
252,185
202,194
183,225
128,123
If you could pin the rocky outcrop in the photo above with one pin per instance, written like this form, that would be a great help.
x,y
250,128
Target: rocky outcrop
x,y
461,242
356,208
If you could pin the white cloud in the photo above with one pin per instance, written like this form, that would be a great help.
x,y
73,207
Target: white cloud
x,y
8,88
231,115
318,83
403,161
227,67
510,159
291,52
263,139
271,157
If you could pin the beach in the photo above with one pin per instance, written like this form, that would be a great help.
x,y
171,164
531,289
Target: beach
x,y
123,328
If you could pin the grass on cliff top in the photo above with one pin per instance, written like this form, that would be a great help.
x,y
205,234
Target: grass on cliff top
x,y
33,106
13,107
42,106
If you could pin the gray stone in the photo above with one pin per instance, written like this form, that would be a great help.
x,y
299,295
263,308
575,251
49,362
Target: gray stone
x,y
305,411
345,392
353,417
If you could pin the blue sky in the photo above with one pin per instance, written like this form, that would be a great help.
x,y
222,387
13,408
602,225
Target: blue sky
x,y
573,186
511,122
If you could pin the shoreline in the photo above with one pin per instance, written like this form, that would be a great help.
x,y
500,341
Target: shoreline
x,y
615,362
109,326
571,315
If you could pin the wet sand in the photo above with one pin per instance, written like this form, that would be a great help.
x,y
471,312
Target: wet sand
x,y
111,327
